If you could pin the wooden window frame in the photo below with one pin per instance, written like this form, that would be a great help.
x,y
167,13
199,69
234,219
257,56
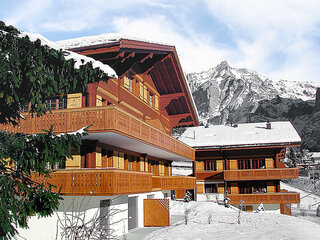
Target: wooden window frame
x,y
210,165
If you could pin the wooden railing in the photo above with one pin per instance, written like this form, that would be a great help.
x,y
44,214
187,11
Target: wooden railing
x,y
173,182
265,198
102,119
99,182
260,174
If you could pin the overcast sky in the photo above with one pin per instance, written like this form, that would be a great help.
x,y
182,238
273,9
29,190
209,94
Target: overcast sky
x,y
279,39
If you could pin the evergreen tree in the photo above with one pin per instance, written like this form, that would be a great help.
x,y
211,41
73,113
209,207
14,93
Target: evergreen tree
x,y
30,72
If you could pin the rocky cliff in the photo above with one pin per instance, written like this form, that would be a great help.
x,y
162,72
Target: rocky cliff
x,y
235,95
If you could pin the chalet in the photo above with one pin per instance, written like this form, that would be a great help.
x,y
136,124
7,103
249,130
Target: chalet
x,y
128,153
242,162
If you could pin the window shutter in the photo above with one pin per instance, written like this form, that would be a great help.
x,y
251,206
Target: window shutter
x,y
156,102
145,93
126,82
140,90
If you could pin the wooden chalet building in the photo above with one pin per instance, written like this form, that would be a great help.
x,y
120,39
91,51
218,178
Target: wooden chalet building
x,y
129,149
243,162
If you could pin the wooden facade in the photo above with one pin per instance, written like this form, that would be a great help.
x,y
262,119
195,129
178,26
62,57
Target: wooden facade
x,y
260,174
102,119
265,198
156,212
129,148
250,174
111,182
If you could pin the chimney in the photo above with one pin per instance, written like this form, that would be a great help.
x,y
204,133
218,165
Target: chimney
x,y
268,125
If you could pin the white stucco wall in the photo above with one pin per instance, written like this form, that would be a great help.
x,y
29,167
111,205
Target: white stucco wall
x,y
46,228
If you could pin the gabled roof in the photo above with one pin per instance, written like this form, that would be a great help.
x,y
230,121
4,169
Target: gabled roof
x,y
160,61
79,59
244,135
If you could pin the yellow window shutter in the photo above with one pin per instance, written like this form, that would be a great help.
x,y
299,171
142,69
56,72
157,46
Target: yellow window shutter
x,y
156,102
115,159
121,160
126,82
140,90
145,93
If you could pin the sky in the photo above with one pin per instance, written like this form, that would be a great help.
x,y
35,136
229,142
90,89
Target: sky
x,y
279,39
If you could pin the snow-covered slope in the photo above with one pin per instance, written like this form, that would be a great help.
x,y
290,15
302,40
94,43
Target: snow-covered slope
x,y
225,94
224,224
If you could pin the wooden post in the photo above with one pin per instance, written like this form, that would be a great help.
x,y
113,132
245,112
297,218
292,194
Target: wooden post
x,y
92,92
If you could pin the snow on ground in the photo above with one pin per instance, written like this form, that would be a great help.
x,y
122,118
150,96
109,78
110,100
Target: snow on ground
x,y
307,200
224,224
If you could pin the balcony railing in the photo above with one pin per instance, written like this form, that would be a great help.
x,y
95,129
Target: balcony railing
x,y
102,119
260,174
266,198
173,182
99,182
111,181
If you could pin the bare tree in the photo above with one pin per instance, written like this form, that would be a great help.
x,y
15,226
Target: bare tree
x,y
75,224
240,209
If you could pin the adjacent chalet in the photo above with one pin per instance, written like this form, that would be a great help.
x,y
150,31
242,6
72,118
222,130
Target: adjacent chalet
x,y
243,162
126,157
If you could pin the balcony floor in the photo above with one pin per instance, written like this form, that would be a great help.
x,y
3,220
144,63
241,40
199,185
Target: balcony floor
x,y
119,140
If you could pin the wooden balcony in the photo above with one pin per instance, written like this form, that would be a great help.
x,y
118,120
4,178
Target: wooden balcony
x,y
102,119
173,183
100,182
260,174
266,198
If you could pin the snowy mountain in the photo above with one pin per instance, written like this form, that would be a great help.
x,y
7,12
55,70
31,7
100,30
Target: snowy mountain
x,y
226,95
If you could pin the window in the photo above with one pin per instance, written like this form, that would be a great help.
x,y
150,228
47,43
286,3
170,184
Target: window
x,y
25,108
156,102
130,161
211,188
56,103
252,164
143,92
258,163
252,187
244,164
127,83
210,166
150,100
62,103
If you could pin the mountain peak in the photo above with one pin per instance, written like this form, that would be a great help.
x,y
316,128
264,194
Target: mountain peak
x,y
223,65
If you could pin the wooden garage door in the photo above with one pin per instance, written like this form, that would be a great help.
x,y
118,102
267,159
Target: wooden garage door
x,y
156,212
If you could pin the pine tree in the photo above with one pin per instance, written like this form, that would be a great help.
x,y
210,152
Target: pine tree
x,y
30,72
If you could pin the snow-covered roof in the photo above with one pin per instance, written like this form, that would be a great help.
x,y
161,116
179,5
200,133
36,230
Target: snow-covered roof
x,y
99,40
79,59
247,134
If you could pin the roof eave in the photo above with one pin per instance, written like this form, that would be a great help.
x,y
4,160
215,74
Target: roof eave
x,y
242,146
